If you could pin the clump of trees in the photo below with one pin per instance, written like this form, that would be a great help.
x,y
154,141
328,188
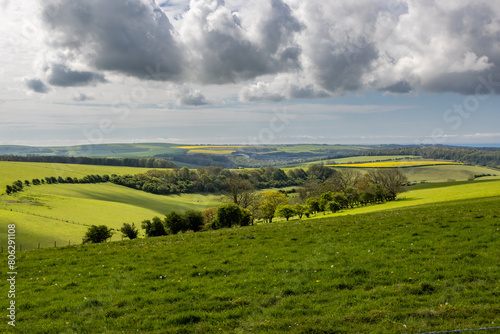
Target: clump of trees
x,y
99,161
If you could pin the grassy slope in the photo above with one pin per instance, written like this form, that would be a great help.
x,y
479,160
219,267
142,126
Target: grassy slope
x,y
12,171
428,195
77,205
415,270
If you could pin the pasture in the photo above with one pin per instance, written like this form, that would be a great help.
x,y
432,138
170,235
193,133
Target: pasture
x,y
427,268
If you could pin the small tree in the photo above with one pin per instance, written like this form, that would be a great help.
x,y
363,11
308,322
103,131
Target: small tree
x,y
97,234
8,190
130,231
175,222
313,204
334,206
246,217
227,215
194,220
299,209
286,211
269,201
154,227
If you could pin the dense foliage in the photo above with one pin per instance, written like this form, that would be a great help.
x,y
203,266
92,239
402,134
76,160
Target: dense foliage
x,y
125,162
476,156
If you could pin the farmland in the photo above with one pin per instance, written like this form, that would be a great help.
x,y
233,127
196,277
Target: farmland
x,y
413,270
395,164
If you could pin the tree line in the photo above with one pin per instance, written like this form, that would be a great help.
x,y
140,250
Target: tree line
x,y
475,156
123,162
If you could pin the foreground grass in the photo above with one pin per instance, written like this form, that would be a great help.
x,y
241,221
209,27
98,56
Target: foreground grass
x,y
434,267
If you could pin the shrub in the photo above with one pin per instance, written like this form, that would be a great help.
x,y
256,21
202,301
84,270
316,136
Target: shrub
x,y
175,222
154,227
97,234
194,220
130,231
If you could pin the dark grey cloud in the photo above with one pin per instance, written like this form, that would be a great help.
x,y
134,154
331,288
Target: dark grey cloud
x,y
128,37
334,47
62,76
36,85
190,97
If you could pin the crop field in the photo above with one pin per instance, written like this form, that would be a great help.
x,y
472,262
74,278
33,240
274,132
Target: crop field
x,y
395,164
429,268
213,149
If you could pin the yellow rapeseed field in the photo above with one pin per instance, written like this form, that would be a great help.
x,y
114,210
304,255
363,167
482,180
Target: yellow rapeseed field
x,y
212,149
396,164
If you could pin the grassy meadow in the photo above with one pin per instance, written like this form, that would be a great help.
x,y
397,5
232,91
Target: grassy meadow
x,y
427,268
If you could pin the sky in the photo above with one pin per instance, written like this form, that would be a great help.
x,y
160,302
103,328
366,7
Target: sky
x,y
250,72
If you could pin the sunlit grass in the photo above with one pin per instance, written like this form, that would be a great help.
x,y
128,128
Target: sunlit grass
x,y
430,268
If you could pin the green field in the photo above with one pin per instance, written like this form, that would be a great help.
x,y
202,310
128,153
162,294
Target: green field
x,y
101,150
77,205
12,171
414,270
444,192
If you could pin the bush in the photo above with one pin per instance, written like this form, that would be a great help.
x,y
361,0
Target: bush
x,y
227,215
175,222
130,231
97,234
154,227
194,220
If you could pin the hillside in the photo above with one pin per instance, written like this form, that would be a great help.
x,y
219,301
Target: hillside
x,y
412,270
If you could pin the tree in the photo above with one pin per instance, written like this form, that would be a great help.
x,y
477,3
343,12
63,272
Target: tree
x,y
269,201
344,179
246,217
8,189
97,234
390,179
175,222
154,227
313,204
352,196
334,206
194,220
209,216
299,209
130,231
239,191
320,172
228,215
286,211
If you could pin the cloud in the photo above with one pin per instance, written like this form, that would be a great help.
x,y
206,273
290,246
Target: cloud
x,y
188,96
133,38
36,85
283,87
334,47
60,75
80,97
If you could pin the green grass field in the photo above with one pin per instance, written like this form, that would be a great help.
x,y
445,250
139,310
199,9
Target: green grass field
x,y
12,171
101,150
443,193
429,268
80,205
